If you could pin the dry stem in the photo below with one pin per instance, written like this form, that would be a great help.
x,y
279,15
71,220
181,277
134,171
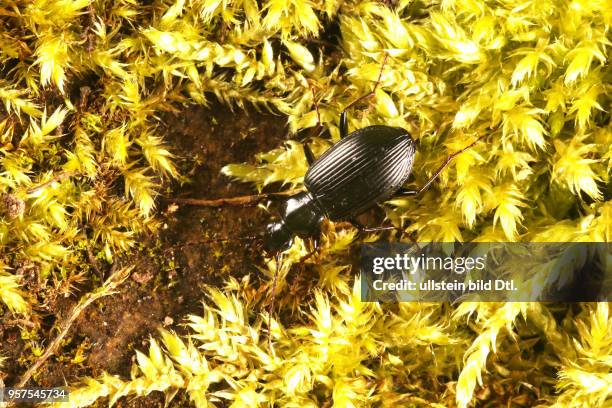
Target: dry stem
x,y
116,278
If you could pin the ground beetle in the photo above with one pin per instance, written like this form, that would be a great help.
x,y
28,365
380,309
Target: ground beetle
x,y
364,168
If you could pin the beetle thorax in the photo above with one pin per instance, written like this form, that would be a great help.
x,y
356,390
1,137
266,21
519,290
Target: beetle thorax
x,y
302,215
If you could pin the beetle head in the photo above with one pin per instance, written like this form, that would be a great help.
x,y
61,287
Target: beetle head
x,y
277,238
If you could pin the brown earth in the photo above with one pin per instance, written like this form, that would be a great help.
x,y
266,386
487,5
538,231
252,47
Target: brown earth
x,y
171,269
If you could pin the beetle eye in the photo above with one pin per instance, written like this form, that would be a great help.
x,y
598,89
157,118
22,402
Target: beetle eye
x,y
277,238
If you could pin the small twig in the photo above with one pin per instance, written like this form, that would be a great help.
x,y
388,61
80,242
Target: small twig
x,y
116,278
237,201
57,178
19,322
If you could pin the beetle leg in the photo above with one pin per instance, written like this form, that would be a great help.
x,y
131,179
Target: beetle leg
x,y
343,115
315,244
308,153
313,249
405,192
343,124
357,224
362,228
377,229
443,166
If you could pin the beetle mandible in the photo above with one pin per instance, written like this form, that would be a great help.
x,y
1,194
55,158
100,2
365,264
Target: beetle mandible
x,y
366,167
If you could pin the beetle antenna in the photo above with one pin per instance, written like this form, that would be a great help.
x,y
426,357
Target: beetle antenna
x,y
273,300
240,201
316,105
376,85
382,68
445,164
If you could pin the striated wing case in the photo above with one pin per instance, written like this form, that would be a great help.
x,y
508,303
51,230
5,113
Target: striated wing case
x,y
366,167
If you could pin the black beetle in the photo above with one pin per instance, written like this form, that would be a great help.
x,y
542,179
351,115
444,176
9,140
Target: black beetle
x,y
364,168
